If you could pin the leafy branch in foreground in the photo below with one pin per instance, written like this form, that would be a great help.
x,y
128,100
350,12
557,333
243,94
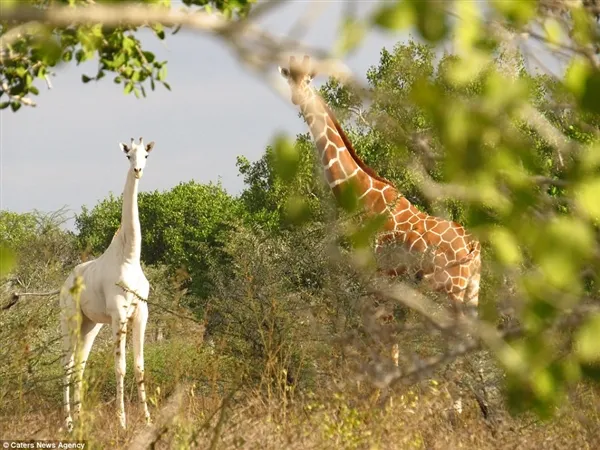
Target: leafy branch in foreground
x,y
31,47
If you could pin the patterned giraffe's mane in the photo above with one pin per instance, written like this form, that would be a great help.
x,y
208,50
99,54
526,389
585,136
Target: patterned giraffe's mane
x,y
368,170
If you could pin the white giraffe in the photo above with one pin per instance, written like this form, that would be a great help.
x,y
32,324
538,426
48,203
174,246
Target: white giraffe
x,y
110,282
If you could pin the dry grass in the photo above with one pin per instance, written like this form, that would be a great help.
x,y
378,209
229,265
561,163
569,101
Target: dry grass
x,y
420,417
238,395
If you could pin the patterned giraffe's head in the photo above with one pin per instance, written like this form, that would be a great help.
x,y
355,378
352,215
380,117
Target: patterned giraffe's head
x,y
299,75
137,155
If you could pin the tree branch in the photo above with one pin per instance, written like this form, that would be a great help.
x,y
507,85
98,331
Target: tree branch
x,y
239,35
17,296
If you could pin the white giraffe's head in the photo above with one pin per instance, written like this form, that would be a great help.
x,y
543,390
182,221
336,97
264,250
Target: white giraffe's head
x,y
299,75
137,155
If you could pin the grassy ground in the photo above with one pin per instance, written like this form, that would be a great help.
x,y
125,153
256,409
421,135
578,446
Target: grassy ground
x,y
194,405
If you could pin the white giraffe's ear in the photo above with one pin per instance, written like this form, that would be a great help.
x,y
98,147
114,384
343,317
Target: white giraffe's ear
x,y
124,147
285,73
149,146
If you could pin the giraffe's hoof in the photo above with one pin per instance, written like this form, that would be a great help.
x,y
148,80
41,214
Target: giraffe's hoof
x,y
69,424
148,420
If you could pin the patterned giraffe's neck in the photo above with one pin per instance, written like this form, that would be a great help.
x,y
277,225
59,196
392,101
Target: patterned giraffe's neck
x,y
340,162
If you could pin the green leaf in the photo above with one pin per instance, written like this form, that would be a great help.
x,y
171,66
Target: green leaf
x,y
431,19
119,60
159,30
544,384
162,73
296,210
364,236
519,13
85,78
583,25
129,43
149,56
348,196
80,55
286,158
591,97
576,75
553,30
506,246
4,105
587,340
587,195
15,106
395,17
470,30
128,87
350,36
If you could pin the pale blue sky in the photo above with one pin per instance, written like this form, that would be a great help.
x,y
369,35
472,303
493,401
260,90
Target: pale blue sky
x,y
65,151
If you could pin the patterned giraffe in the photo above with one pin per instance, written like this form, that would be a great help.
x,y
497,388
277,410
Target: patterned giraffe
x,y
450,258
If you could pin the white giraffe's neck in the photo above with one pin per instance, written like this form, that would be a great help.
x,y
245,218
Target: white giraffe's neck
x,y
129,235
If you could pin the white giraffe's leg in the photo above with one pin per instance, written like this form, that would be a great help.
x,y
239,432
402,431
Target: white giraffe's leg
x,y
138,331
119,328
89,331
69,333
67,362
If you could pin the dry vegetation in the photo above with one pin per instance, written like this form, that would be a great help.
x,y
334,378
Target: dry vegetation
x,y
302,385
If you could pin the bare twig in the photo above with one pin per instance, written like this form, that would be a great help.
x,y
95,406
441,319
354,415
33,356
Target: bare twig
x,y
17,296
486,335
